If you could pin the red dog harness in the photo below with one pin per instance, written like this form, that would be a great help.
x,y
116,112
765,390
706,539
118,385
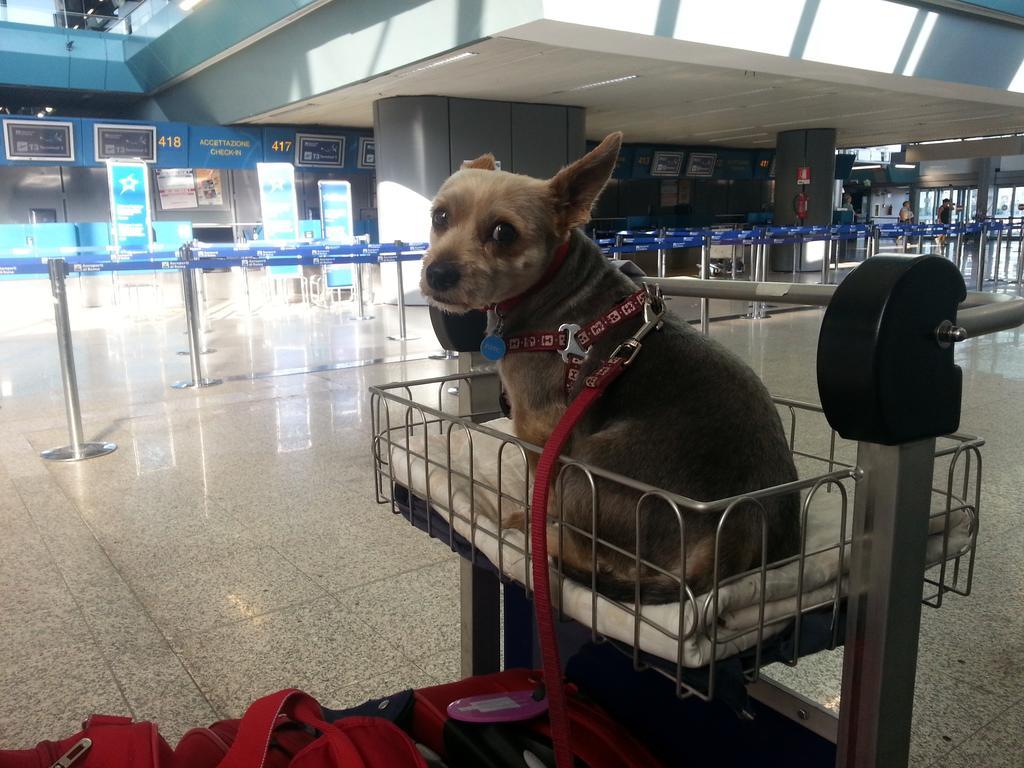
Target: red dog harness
x,y
572,341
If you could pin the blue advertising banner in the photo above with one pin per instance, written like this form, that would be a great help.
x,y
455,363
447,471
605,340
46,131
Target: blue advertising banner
x,y
130,214
336,210
214,146
278,203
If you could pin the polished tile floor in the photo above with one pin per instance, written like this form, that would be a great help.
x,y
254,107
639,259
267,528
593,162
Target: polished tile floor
x,y
232,546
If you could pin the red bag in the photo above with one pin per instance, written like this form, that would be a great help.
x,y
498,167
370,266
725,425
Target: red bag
x,y
115,741
271,735
597,740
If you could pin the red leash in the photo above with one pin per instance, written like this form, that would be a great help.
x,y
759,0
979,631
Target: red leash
x,y
593,387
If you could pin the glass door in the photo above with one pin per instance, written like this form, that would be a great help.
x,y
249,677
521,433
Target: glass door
x,y
1004,202
971,207
927,203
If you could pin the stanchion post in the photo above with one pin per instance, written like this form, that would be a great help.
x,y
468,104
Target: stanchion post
x,y
1009,239
1020,254
357,283
998,253
979,260
199,289
662,256
798,254
826,258
402,335
705,269
77,449
192,325
357,289
758,271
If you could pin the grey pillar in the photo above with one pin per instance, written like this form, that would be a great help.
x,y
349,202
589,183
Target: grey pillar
x,y
814,148
421,140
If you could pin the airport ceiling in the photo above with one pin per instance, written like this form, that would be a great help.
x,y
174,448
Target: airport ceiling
x,y
666,102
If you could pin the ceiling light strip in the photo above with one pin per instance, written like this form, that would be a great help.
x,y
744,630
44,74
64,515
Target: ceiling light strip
x,y
601,83
449,60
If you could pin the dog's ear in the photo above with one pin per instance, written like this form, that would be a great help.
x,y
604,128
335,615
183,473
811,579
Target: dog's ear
x,y
484,163
577,186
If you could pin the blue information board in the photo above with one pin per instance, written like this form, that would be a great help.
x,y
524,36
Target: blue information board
x,y
130,213
336,210
278,204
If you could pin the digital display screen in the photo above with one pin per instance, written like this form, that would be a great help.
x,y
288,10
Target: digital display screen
x,y
38,140
666,163
319,150
367,152
701,165
125,142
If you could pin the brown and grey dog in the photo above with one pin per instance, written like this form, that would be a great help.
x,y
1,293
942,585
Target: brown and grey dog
x,y
687,416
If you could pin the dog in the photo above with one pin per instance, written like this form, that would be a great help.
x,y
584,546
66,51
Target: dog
x,y
686,416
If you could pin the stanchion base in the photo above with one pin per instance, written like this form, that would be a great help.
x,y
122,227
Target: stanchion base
x,y
202,383
362,317
403,338
186,353
444,355
85,451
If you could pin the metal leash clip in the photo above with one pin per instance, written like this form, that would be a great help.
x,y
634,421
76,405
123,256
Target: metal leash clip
x,y
654,313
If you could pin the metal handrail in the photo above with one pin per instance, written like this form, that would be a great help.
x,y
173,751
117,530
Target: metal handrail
x,y
980,313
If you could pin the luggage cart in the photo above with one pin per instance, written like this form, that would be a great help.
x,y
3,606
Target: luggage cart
x,y
903,487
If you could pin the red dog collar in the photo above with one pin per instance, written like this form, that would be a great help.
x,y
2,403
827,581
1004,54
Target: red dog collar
x,y
503,307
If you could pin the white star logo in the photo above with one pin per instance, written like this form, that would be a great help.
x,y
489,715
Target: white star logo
x,y
129,184
276,186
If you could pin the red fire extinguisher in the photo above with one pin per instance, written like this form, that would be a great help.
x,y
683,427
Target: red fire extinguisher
x,y
800,203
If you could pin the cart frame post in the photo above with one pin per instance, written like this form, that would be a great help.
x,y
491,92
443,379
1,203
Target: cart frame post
x,y
479,595
890,531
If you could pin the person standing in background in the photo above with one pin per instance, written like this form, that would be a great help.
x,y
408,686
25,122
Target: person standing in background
x,y
945,217
906,218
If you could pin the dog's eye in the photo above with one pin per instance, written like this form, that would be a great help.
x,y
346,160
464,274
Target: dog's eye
x,y
440,219
504,233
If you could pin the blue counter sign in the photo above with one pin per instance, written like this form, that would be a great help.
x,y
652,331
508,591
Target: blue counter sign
x,y
336,210
131,219
277,201
311,149
39,140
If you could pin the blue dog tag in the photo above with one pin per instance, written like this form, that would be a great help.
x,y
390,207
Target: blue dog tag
x,y
493,347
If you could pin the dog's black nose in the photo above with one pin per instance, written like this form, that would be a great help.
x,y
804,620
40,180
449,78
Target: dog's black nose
x,y
442,275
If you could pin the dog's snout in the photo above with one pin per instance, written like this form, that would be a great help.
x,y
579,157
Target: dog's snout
x,y
442,275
